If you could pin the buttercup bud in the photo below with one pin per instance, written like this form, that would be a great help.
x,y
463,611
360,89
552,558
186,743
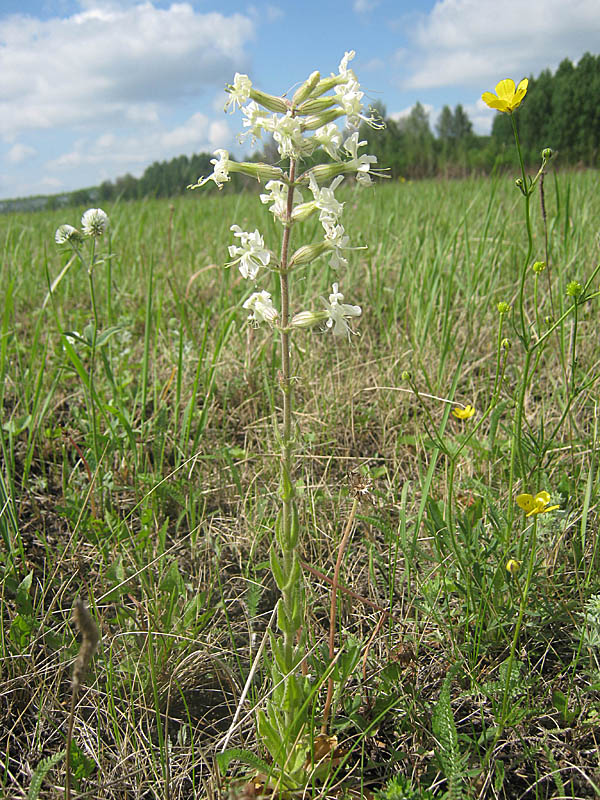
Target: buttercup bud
x,y
406,376
503,308
539,266
574,289
505,344
547,153
513,566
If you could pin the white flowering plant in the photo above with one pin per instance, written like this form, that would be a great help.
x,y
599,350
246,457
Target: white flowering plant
x,y
300,126
83,244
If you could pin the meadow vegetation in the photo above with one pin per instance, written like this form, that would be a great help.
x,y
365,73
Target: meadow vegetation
x,y
468,625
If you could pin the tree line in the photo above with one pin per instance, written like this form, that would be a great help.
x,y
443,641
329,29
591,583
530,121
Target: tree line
x,y
560,111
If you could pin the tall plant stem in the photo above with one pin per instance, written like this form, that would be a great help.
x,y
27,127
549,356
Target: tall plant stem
x,y
288,546
93,360
333,607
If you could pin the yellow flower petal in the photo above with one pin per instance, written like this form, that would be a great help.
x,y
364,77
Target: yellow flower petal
x,y
493,102
526,502
507,98
506,89
463,413
535,505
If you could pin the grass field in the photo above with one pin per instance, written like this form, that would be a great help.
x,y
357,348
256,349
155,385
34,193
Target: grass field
x,y
149,489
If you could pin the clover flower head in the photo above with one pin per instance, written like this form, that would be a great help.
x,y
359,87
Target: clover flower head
x,y
507,98
66,233
339,312
220,173
535,505
251,255
239,92
94,222
262,308
464,413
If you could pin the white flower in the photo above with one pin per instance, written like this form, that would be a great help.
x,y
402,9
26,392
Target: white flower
x,y
278,196
256,119
287,132
252,254
329,138
349,97
66,233
339,311
262,308
346,73
94,222
220,173
329,207
239,92
360,164
337,240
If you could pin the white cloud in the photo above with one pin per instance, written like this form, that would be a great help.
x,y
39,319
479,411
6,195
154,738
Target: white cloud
x,y
364,6
478,42
112,62
116,153
19,153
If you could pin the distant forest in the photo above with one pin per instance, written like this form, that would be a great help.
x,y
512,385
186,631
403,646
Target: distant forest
x,y
561,111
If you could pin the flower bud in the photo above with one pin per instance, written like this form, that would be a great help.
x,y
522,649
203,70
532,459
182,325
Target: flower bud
x,y
308,253
513,566
308,319
503,308
325,172
406,376
519,183
505,344
262,172
547,153
277,104
326,84
539,266
67,233
316,105
303,211
318,120
305,90
548,319
574,289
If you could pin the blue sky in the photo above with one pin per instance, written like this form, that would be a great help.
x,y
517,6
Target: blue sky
x,y
92,89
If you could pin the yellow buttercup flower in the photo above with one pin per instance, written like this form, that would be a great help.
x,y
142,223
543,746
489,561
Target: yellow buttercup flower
x,y
463,413
535,505
507,98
